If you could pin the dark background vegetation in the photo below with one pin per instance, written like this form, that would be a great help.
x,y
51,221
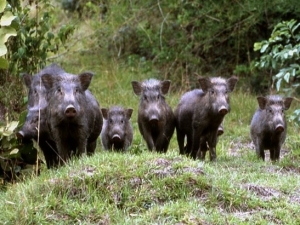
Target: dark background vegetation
x,y
182,39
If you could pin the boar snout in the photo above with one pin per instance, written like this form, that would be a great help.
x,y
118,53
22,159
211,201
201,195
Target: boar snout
x,y
279,128
153,119
116,138
70,111
223,110
20,134
220,131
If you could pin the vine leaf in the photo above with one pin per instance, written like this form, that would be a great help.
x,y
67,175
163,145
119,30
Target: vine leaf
x,y
7,18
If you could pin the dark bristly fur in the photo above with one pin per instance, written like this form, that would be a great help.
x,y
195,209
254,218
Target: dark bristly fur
x,y
268,126
73,114
155,117
117,132
199,115
35,126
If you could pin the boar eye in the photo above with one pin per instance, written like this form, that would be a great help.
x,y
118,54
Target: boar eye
x,y
158,97
212,92
270,110
145,98
110,121
122,121
59,90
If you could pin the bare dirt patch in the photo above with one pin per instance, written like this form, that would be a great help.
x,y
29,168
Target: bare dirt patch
x,y
265,193
167,167
238,148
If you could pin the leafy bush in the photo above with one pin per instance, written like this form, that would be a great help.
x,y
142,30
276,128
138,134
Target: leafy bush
x,y
36,38
14,156
280,55
6,31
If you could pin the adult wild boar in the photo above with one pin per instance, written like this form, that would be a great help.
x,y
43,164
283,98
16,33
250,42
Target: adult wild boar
x,y
199,116
268,126
35,126
73,114
155,117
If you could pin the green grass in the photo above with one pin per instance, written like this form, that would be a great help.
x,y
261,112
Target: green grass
x,y
151,188
142,187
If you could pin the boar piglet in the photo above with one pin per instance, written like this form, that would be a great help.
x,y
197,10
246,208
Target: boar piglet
x,y
199,116
35,126
73,114
117,133
155,117
268,126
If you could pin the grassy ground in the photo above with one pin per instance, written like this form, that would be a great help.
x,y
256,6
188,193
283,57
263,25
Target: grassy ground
x,y
142,187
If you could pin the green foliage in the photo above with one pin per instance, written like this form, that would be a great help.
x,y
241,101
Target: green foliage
x,y
184,38
36,38
6,31
14,156
9,151
281,54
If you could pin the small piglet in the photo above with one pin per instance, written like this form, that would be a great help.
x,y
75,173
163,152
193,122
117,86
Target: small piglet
x,y
117,132
155,117
199,116
268,126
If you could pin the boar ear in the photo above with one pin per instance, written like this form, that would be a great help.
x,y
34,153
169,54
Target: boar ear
x,y
85,79
287,103
165,85
27,78
205,83
137,88
48,80
231,82
104,113
129,113
262,102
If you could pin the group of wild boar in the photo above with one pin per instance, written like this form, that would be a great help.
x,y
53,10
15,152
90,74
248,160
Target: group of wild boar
x,y
66,119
